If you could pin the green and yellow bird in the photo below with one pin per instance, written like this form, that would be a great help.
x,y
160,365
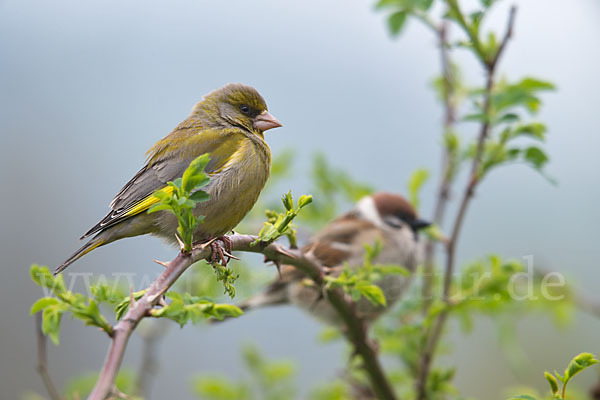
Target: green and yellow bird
x,y
229,124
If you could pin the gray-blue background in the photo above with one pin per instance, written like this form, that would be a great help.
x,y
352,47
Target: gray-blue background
x,y
87,86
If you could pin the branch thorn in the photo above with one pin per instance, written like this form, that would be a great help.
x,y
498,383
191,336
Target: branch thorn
x,y
181,244
163,263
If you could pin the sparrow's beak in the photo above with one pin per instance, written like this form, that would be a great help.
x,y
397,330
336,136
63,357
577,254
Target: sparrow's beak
x,y
418,224
265,121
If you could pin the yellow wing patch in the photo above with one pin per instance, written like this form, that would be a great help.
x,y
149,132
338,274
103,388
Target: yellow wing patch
x,y
146,203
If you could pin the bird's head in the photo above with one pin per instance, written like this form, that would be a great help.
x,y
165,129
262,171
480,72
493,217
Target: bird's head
x,y
238,105
391,211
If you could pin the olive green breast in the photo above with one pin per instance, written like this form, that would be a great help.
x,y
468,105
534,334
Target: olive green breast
x,y
233,190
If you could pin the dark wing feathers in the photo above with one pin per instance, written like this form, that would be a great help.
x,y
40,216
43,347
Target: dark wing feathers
x,y
148,180
333,245
160,169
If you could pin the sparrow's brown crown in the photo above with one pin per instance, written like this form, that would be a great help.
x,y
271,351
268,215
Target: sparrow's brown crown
x,y
394,204
389,208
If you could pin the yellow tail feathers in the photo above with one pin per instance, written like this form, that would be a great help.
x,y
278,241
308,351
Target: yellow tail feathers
x,y
86,248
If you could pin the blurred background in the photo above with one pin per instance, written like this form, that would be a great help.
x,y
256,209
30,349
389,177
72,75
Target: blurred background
x,y
87,87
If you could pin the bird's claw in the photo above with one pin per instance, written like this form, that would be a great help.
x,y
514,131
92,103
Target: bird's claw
x,y
221,247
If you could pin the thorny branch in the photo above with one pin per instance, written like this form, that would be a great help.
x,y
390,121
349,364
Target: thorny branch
x,y
355,330
435,332
138,310
355,327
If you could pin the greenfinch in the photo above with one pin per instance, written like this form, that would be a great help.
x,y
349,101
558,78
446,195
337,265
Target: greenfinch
x,y
384,217
229,124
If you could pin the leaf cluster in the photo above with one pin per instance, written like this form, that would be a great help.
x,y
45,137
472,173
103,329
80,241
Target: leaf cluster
x,y
359,281
579,363
185,307
81,386
504,114
280,224
400,10
182,198
182,308
64,301
417,179
483,287
268,380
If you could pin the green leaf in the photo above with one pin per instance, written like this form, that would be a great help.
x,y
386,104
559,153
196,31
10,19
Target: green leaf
x,y
536,157
176,184
274,372
220,388
43,277
417,179
280,224
387,3
81,386
434,232
42,303
159,207
451,141
425,4
396,22
161,195
508,118
476,18
220,311
559,376
392,270
552,381
578,364
372,251
477,117
181,201
51,322
199,196
287,200
268,232
194,175
106,294
536,130
227,277
304,200
123,306
534,84
329,334
372,292
523,93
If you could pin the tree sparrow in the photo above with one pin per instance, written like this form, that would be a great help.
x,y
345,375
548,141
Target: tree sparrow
x,y
386,217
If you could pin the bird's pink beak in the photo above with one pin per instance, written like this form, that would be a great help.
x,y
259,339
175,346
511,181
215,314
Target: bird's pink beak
x,y
265,121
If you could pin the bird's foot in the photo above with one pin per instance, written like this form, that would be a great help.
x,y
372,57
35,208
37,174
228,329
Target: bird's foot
x,y
221,247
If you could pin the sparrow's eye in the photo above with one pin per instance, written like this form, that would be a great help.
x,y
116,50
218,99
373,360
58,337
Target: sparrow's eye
x,y
393,221
245,109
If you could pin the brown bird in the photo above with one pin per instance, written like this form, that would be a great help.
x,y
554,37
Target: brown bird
x,y
386,217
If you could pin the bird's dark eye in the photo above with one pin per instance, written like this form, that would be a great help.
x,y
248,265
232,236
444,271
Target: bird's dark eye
x,y
393,221
245,109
